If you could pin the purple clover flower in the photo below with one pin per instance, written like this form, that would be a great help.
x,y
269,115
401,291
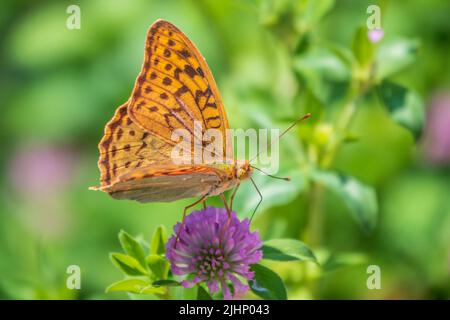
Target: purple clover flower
x,y
38,171
211,250
436,139
375,35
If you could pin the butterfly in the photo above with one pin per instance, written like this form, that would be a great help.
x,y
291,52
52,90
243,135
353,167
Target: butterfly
x,y
175,89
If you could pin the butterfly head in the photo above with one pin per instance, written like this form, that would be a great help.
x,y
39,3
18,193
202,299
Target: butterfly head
x,y
243,170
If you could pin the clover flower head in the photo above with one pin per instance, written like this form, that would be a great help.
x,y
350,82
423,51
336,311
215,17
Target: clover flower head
x,y
375,35
436,137
215,250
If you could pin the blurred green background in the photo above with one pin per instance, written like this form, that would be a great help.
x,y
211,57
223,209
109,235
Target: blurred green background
x,y
59,87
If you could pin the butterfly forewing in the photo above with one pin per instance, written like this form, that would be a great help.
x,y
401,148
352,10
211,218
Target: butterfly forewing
x,y
175,88
126,147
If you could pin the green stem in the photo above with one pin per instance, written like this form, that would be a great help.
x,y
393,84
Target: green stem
x,y
357,91
347,115
314,232
315,215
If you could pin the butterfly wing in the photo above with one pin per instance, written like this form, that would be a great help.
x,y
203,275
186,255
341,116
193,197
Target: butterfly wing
x,y
126,147
169,183
176,88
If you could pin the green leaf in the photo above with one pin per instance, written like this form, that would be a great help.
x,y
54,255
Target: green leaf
x,y
404,106
324,73
342,52
323,62
287,250
363,49
134,286
202,294
158,265
315,10
350,137
155,290
128,264
132,247
361,199
394,56
158,243
270,11
334,262
128,285
166,283
267,284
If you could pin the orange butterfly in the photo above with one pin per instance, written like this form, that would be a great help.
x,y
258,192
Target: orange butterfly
x,y
175,89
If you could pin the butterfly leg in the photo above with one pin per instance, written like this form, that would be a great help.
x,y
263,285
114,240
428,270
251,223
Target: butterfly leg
x,y
202,199
204,204
232,196
226,207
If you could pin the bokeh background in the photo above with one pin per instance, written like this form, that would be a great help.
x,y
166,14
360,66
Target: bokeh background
x,y
58,88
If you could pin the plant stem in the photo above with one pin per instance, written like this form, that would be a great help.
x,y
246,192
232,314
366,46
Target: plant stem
x,y
313,235
315,215
347,115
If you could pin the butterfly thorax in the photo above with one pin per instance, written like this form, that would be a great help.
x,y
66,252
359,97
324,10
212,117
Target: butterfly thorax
x,y
231,174
235,171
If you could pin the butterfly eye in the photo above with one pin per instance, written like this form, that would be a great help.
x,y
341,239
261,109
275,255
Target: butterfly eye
x,y
244,172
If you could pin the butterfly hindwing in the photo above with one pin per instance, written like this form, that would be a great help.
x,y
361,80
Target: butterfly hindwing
x,y
168,183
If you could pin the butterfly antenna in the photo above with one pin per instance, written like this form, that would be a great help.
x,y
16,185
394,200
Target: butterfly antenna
x,y
260,199
306,116
269,175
